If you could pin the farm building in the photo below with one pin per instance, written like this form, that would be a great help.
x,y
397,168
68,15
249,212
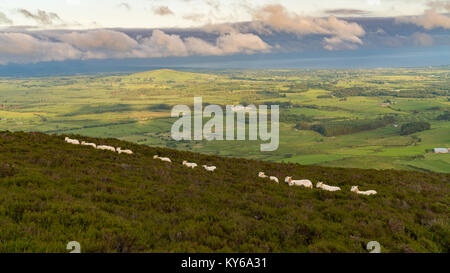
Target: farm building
x,y
440,150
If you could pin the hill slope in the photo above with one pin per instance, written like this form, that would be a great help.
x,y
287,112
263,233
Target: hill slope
x,y
52,192
170,75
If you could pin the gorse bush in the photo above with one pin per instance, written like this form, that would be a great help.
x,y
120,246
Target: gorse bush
x,y
52,192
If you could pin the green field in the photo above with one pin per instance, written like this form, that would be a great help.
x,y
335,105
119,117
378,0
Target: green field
x,y
136,108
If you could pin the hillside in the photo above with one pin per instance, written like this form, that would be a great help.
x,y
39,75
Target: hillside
x,y
169,75
52,192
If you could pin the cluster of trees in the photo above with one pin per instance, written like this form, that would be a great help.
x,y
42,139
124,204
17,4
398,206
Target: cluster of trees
x,y
325,97
159,107
375,92
292,118
444,116
414,127
337,128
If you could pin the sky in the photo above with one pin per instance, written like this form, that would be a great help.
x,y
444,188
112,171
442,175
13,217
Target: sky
x,y
190,13
61,30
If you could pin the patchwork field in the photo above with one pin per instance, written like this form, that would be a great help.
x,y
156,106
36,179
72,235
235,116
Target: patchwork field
x,y
137,107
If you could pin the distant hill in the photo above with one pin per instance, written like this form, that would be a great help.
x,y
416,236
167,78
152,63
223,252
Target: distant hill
x,y
52,192
170,75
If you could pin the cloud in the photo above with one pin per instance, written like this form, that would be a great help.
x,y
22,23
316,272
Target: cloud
x,y
440,5
24,48
202,48
195,17
41,17
99,39
5,20
161,44
104,44
124,5
337,43
239,42
163,10
422,39
341,32
429,20
347,12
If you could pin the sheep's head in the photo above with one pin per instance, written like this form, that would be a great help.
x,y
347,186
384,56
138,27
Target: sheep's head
x,y
155,157
319,184
261,174
184,161
354,189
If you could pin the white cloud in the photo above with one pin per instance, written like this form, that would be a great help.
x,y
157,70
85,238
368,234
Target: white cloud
x,y
341,32
24,48
102,44
429,20
99,39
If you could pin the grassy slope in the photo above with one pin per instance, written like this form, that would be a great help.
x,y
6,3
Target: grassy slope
x,y
52,193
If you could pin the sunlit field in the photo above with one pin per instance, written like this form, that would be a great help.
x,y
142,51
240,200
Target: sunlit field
x,y
136,108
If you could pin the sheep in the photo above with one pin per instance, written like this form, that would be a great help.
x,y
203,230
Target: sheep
x,y
305,183
355,189
120,151
166,159
209,168
106,148
89,144
189,165
323,186
72,141
262,175
273,178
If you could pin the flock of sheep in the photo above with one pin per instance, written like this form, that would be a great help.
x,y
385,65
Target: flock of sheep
x,y
187,164
99,147
303,183
120,151
308,184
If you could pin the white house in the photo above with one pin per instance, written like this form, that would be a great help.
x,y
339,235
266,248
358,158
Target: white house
x,y
440,150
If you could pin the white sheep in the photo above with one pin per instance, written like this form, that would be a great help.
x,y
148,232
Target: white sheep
x,y
89,144
323,186
273,178
120,151
189,165
355,189
209,168
305,183
262,175
72,141
106,148
166,159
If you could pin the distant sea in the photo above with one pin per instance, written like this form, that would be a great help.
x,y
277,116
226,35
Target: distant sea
x,y
379,58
